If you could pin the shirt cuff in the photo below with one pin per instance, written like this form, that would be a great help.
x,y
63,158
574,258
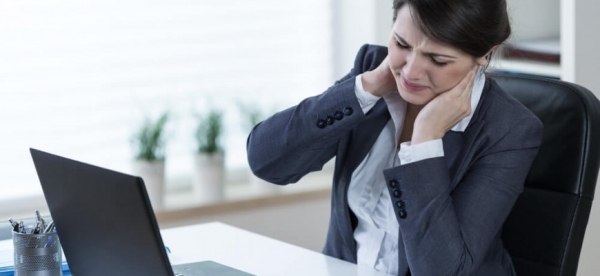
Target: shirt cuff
x,y
412,153
365,99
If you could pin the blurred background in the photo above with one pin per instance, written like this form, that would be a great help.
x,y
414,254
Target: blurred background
x,y
78,78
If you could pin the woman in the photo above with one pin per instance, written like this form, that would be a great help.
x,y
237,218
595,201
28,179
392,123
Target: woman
x,y
430,154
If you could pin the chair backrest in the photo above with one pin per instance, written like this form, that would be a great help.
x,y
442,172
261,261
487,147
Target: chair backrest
x,y
544,232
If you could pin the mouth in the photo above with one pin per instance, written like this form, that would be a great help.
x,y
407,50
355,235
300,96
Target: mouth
x,y
412,87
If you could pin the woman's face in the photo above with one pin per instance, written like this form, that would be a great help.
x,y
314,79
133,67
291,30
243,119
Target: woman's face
x,y
422,67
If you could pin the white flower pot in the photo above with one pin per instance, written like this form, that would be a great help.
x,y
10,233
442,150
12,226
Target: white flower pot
x,y
209,177
153,174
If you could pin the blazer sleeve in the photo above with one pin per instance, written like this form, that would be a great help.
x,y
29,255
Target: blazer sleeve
x,y
449,231
301,139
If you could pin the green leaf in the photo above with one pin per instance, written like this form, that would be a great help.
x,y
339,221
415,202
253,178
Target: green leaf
x,y
209,131
148,141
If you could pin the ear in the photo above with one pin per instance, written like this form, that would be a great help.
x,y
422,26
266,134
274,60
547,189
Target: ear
x,y
484,60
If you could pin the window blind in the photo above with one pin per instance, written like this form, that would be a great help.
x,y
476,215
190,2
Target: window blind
x,y
78,77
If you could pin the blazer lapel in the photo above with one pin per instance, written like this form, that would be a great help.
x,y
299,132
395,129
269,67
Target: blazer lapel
x,y
456,144
366,134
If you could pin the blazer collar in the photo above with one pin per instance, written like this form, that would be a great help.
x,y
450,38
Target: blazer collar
x,y
483,102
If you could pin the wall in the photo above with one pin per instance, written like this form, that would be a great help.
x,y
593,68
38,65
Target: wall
x,y
580,44
357,22
529,21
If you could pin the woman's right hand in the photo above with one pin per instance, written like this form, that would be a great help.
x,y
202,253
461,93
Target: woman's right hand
x,y
380,81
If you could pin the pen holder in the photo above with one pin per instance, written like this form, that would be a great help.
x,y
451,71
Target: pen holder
x,y
37,254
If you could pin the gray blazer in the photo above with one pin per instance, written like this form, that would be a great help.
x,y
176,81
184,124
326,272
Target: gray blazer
x,y
450,209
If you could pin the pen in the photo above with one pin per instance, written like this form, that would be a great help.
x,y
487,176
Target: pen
x,y
49,227
37,228
40,219
49,242
14,225
21,227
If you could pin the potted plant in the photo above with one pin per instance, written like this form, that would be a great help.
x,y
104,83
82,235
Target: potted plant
x,y
149,146
209,160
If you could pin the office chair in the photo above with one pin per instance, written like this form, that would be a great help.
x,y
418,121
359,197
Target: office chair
x,y
544,232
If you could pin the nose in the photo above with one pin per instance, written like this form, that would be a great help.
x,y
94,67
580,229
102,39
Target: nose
x,y
413,68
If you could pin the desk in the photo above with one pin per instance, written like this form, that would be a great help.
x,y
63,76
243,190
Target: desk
x,y
248,251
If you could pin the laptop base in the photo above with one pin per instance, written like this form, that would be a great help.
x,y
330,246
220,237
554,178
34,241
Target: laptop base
x,y
207,268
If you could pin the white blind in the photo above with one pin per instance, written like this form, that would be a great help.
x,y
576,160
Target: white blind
x,y
77,77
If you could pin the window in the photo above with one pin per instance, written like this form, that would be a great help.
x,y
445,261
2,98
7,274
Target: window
x,y
78,77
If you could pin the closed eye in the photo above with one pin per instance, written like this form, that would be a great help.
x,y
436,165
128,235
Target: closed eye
x,y
438,63
403,46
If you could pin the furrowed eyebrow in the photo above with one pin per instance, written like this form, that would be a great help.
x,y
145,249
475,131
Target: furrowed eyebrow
x,y
432,54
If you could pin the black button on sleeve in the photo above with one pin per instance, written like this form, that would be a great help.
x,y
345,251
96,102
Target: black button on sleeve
x,y
321,123
400,204
329,120
348,111
402,214
397,193
393,183
338,115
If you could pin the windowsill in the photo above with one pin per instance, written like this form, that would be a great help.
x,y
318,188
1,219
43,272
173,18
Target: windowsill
x,y
180,204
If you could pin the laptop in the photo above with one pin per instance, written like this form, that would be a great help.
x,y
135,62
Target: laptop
x,y
106,224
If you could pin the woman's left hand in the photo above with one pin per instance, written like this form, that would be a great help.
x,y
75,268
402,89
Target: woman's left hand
x,y
445,110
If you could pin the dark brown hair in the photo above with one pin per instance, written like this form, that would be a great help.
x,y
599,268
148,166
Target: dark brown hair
x,y
473,26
